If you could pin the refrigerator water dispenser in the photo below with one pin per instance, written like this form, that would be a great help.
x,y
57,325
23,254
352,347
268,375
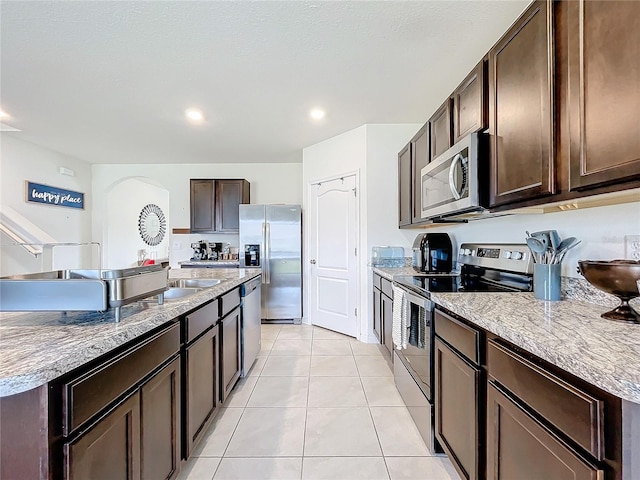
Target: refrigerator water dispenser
x,y
252,255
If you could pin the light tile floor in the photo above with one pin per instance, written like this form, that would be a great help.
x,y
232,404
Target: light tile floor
x,y
315,406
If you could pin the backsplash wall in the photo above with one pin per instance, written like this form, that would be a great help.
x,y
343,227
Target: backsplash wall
x,y
601,229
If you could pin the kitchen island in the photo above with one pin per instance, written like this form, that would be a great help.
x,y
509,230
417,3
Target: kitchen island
x,y
79,390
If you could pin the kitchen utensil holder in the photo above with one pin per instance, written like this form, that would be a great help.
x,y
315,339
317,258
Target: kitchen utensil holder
x,y
546,281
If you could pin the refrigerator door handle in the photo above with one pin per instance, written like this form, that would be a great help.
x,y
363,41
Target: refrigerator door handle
x,y
267,248
262,252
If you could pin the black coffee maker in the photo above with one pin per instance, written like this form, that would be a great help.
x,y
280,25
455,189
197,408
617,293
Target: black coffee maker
x,y
432,253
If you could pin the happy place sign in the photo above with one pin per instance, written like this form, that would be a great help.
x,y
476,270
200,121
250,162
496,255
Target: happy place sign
x,y
49,195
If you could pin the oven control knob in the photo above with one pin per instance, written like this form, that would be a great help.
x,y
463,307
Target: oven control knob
x,y
506,254
466,251
517,255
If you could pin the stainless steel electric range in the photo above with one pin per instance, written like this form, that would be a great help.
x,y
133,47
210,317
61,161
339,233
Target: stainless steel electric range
x,y
483,268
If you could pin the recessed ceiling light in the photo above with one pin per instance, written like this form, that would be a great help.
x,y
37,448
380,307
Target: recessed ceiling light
x,y
194,115
4,114
317,114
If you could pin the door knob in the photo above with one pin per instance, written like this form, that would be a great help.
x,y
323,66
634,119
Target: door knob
x,y
313,262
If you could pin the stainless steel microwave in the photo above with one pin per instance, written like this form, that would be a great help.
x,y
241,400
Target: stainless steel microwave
x,y
450,184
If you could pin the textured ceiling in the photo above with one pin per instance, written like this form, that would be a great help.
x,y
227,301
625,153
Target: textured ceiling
x,y
108,82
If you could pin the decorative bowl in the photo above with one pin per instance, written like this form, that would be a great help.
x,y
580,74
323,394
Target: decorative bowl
x,y
619,278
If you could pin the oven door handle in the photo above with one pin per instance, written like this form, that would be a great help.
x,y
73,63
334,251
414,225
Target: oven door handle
x,y
420,301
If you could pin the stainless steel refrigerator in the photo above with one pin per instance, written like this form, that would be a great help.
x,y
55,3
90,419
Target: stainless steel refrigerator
x,y
271,238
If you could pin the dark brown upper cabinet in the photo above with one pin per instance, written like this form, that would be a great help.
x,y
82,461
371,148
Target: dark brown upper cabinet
x,y
440,129
470,103
203,201
603,39
419,159
404,186
229,195
214,204
521,109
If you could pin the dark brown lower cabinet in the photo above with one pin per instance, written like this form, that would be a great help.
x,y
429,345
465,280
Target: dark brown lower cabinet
x,y
520,447
110,450
457,398
387,322
201,386
383,312
230,365
377,314
160,424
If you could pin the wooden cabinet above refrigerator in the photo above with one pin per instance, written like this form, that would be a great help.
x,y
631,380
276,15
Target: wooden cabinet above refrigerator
x,y
214,204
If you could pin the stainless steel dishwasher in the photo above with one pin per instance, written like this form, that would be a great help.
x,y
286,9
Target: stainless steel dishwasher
x,y
251,332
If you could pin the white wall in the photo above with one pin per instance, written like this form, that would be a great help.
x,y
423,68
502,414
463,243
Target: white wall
x,y
341,155
21,161
270,183
122,238
383,144
371,152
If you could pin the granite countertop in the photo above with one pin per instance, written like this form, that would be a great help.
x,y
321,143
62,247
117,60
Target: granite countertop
x,y
36,347
210,263
569,333
388,272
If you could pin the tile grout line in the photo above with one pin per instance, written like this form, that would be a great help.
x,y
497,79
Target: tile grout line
x,y
244,408
303,456
306,410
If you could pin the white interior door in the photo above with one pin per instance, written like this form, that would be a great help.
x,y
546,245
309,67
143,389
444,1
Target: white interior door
x,y
333,235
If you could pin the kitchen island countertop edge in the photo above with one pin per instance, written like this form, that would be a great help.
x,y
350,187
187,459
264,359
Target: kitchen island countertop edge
x,y
37,347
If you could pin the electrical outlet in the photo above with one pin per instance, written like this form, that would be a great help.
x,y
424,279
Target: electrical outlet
x,y
632,247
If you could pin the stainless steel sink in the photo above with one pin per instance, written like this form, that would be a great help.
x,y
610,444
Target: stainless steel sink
x,y
177,293
193,283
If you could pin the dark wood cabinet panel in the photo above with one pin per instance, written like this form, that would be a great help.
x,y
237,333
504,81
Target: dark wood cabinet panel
x,y
87,394
201,320
458,392
229,301
419,159
110,450
377,314
405,201
230,365
470,103
214,204
604,92
387,322
440,129
29,454
462,337
203,201
521,109
229,195
201,386
518,446
383,312
160,424
574,412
